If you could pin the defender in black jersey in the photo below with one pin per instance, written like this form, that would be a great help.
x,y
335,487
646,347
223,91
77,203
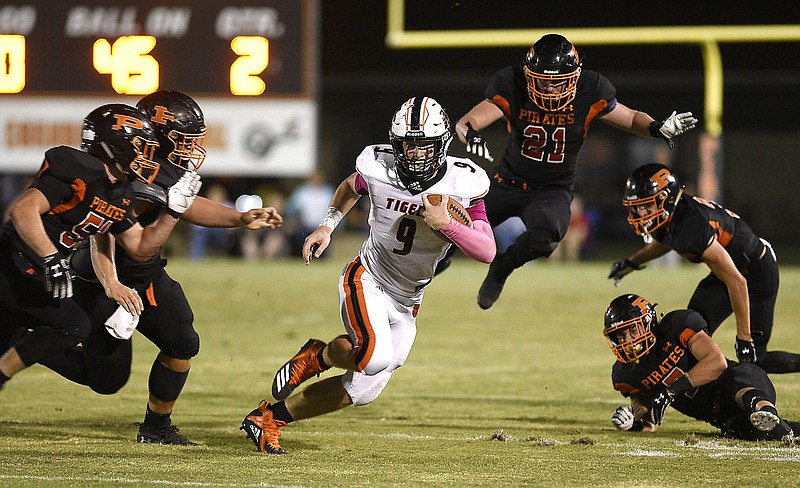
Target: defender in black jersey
x,y
744,274
673,361
548,102
76,194
103,362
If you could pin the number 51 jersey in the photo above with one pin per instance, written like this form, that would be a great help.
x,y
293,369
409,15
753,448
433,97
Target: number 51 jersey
x,y
401,251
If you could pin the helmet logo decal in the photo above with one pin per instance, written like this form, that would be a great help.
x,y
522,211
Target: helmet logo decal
x,y
641,303
161,115
661,178
126,121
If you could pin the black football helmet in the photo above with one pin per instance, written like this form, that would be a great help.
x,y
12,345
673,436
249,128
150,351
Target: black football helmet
x,y
552,61
123,137
651,188
180,125
629,322
422,121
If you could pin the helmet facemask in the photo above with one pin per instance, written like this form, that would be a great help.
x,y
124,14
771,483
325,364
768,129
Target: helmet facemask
x,y
551,102
188,152
631,339
645,223
143,165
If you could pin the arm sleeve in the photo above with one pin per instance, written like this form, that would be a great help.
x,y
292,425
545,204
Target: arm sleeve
x,y
476,242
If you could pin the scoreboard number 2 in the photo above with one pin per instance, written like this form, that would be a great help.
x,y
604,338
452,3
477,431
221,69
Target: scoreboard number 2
x,y
253,59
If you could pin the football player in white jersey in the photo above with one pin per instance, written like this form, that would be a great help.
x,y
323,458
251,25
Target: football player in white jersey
x,y
380,291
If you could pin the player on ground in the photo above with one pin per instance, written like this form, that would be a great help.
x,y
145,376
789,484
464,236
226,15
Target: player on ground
x,y
673,361
744,274
548,102
164,316
380,291
74,195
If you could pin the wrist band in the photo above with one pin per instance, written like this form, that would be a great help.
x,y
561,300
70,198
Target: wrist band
x,y
332,218
172,213
654,129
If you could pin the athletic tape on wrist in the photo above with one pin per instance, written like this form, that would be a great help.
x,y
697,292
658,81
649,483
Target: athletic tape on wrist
x,y
332,217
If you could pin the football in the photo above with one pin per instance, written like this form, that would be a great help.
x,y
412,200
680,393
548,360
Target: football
x,y
455,209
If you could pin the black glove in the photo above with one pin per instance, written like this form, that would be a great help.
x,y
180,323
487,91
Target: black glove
x,y
621,268
476,144
57,276
745,351
666,397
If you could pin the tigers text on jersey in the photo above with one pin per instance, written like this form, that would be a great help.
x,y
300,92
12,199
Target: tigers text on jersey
x,y
543,146
401,251
83,201
696,222
667,361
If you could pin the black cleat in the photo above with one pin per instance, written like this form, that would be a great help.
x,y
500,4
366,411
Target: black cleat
x,y
771,425
492,286
150,434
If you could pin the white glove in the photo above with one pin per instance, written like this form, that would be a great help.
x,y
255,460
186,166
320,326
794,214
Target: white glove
x,y
676,124
181,195
623,418
121,324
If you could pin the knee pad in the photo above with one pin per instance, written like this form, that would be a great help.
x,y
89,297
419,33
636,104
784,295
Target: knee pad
x,y
190,346
533,244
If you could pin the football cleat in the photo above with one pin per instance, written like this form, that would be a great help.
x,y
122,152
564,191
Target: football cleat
x,y
492,285
263,429
764,421
301,367
150,434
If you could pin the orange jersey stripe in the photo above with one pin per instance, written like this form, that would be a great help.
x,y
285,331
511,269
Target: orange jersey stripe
x,y
595,109
356,307
78,194
151,295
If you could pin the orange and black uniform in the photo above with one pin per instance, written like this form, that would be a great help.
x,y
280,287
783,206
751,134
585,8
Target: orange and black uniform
x,y
83,202
104,363
694,225
670,358
535,179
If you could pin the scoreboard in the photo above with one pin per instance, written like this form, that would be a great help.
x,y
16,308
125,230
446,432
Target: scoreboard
x,y
251,65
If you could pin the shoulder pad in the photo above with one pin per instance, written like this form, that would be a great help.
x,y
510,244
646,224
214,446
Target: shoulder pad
x,y
67,163
150,193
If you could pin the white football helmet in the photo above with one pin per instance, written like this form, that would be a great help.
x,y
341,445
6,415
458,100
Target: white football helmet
x,y
421,121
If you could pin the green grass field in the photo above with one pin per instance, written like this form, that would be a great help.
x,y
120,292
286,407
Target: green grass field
x,y
519,395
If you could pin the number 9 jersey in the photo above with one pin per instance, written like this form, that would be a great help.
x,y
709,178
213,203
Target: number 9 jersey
x,y
401,251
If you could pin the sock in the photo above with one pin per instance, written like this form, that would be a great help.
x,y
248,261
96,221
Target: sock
x,y
321,359
769,409
750,399
280,412
157,420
